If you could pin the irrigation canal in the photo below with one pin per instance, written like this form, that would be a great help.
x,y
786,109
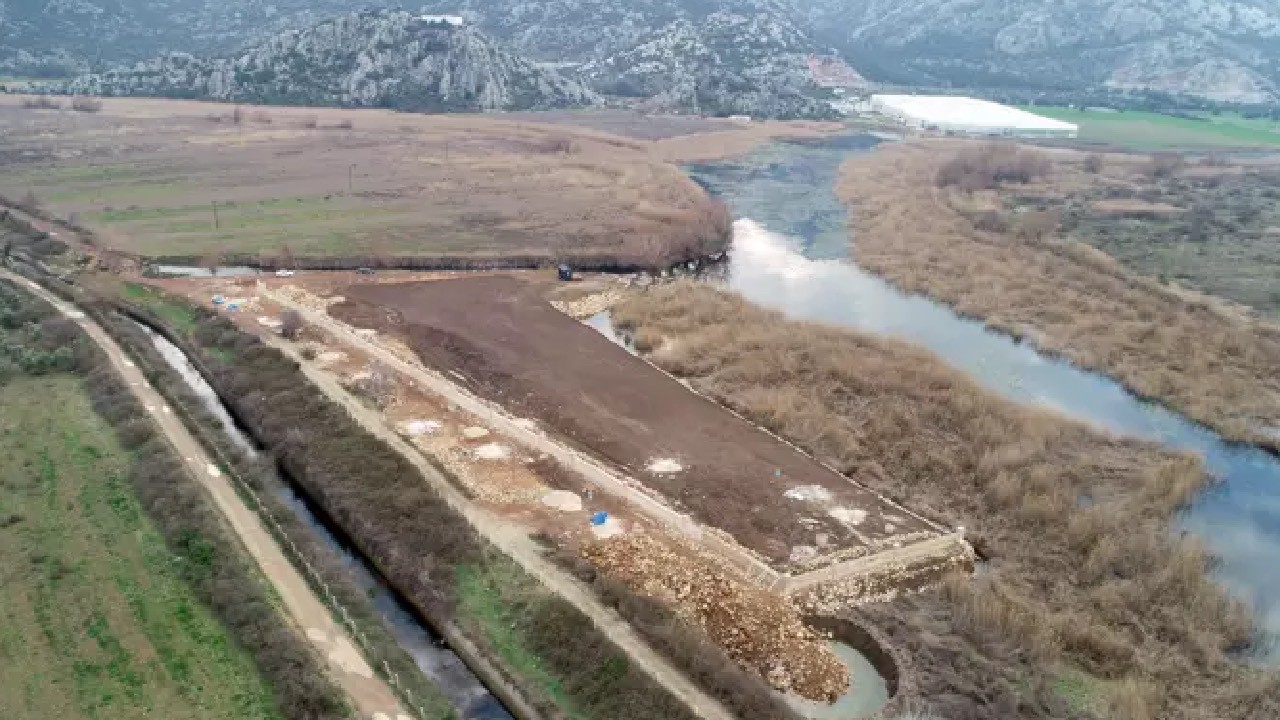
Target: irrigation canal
x,y
439,664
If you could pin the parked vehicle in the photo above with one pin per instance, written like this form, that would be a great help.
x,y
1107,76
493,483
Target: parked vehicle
x,y
365,271
284,273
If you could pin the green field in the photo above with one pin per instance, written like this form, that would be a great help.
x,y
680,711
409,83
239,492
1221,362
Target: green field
x,y
1153,131
95,620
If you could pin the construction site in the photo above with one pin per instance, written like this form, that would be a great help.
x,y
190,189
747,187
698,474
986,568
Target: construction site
x,y
563,435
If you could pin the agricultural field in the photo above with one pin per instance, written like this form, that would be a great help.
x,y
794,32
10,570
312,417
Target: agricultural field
x,y
95,618
510,346
1136,130
198,182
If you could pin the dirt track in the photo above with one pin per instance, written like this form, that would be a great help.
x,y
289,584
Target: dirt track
x,y
370,696
501,339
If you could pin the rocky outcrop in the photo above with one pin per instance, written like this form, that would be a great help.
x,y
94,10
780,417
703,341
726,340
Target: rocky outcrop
x,y
725,64
1217,49
384,59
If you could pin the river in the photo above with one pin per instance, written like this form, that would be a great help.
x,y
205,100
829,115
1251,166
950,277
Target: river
x,y
791,252
439,664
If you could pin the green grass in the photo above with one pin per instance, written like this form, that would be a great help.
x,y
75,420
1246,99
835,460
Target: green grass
x,y
1154,131
181,316
491,602
95,620
1084,693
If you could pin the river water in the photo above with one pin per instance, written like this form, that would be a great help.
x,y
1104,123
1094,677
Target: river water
x,y
791,252
439,664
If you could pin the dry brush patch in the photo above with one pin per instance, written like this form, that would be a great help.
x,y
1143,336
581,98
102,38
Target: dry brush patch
x,y
1082,574
1217,367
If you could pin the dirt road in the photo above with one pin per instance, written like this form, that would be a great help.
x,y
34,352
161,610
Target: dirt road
x,y
511,540
371,697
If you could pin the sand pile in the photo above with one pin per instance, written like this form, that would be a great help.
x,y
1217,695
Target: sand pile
x,y
760,631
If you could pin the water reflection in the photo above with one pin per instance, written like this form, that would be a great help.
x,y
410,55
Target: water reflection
x,y
793,254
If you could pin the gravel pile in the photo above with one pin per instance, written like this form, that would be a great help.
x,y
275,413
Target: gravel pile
x,y
761,631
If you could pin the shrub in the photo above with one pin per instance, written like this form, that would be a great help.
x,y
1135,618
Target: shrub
x,y
989,166
1094,163
292,324
86,104
41,103
1164,164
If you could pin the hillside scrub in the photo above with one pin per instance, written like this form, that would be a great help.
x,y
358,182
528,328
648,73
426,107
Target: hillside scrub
x,y
1082,575
1216,366
557,658
208,558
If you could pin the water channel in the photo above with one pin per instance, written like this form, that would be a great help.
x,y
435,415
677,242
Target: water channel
x,y
791,252
438,663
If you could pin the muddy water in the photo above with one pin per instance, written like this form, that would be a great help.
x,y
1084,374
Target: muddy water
x,y
868,691
439,664
791,252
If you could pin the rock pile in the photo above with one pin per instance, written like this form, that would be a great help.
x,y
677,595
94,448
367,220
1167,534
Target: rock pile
x,y
761,631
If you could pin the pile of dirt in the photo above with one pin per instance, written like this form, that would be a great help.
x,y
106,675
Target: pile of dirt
x,y
761,631
589,305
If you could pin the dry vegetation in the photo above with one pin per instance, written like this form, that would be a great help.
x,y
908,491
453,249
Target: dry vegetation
x,y
177,179
957,243
1086,605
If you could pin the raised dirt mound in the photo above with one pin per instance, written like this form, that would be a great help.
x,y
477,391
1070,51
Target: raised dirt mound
x,y
760,631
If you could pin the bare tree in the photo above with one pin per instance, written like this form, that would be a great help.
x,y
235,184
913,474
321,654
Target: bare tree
x,y
380,385
292,324
211,261
285,256
1093,163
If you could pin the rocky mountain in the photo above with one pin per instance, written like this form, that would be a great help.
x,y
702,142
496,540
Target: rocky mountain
x,y
1220,49
385,59
725,64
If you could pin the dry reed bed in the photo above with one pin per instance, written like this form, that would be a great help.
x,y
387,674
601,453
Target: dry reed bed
x,y
1219,368
1082,575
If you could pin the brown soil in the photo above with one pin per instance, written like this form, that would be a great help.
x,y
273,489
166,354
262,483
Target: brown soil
x,y
1215,365
499,337
760,631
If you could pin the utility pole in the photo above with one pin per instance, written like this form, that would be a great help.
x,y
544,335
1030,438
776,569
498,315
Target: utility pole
x,y
350,177
214,203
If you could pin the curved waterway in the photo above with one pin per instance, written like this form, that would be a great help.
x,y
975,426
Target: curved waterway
x,y
791,252
438,663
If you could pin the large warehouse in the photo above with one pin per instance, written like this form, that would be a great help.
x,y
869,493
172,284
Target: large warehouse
x,y
969,116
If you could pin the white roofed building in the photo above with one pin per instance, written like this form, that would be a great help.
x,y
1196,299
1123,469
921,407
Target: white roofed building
x,y
969,116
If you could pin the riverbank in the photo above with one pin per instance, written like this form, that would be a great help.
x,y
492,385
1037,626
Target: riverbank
x,y
1085,602
1218,367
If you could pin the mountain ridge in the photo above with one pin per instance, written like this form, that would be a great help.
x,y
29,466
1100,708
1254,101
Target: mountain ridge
x,y
1226,50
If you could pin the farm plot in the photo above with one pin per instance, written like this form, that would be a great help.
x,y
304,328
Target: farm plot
x,y
95,618
497,336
